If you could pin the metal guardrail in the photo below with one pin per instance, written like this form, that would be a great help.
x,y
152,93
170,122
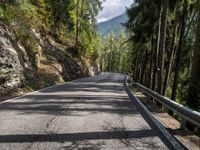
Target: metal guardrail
x,y
184,112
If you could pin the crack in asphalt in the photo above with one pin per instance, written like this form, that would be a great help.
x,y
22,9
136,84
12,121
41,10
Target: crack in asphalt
x,y
53,118
47,127
125,141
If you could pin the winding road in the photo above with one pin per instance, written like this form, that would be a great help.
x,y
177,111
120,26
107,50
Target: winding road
x,y
92,113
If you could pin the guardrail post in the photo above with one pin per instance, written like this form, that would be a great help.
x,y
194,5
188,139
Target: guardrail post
x,y
183,124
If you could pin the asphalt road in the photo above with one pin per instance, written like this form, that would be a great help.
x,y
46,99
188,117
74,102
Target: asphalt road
x,y
92,113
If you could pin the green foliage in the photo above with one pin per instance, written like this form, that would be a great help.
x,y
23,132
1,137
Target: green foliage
x,y
6,14
145,20
65,36
115,54
28,40
89,42
57,18
22,17
44,14
72,14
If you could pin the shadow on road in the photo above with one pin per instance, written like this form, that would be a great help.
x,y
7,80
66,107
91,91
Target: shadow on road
x,y
79,98
101,94
51,104
76,136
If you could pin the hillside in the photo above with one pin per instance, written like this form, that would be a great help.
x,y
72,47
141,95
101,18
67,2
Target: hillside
x,y
113,25
53,64
39,49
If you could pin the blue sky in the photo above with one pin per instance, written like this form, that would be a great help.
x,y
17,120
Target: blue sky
x,y
113,8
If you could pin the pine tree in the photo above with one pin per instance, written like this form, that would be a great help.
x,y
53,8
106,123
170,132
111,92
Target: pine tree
x,y
194,86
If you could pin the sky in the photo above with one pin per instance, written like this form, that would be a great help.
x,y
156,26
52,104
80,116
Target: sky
x,y
113,8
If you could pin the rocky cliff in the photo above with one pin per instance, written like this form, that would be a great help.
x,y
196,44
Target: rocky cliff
x,y
53,64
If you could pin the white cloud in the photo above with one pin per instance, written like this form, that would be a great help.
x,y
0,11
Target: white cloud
x,y
113,8
102,19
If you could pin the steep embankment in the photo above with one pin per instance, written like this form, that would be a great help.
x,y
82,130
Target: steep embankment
x,y
53,64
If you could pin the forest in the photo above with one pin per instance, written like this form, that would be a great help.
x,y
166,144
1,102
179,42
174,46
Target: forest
x,y
48,42
70,81
161,48
70,22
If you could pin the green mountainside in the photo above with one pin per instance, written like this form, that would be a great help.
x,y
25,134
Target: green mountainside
x,y
113,25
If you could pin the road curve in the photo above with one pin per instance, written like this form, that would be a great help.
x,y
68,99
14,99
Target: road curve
x,y
91,113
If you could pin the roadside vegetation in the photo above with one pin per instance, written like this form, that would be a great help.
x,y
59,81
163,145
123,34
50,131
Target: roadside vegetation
x,y
163,50
70,23
53,40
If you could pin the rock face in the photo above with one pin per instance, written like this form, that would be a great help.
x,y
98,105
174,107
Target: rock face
x,y
54,64
11,69
73,67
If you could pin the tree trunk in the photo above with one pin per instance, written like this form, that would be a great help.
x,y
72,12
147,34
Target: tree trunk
x,y
189,25
189,70
179,52
143,67
136,62
194,85
155,54
172,48
151,63
77,22
162,45
136,68
138,65
82,14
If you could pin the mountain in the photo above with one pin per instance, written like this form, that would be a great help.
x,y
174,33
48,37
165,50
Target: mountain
x,y
113,25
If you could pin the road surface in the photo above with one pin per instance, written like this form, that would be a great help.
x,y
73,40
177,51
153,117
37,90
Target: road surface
x,y
92,113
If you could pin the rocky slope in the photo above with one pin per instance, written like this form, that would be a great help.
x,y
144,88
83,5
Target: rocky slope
x,y
53,64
